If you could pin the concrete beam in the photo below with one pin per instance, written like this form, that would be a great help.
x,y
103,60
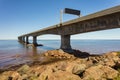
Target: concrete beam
x,y
96,24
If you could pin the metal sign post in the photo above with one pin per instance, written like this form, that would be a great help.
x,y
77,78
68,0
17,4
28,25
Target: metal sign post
x,y
61,16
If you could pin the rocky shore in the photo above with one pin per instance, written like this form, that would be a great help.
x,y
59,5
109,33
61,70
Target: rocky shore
x,y
64,66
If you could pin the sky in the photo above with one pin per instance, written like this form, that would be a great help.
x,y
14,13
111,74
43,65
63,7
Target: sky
x,y
19,17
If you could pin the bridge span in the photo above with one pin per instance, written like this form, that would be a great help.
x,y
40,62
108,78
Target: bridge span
x,y
102,20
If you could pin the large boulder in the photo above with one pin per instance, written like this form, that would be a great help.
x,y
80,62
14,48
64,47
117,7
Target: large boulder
x,y
110,59
62,65
100,72
58,54
88,63
112,54
109,73
94,73
10,75
63,75
23,69
45,74
109,62
78,69
117,66
35,71
75,68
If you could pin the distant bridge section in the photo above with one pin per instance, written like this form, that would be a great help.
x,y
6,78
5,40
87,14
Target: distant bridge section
x,y
106,19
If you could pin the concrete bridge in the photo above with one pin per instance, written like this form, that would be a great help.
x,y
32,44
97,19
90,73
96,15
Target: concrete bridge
x,y
106,19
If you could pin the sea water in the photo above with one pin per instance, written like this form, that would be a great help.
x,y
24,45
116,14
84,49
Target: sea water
x,y
10,50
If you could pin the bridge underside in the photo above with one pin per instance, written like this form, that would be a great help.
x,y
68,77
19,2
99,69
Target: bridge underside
x,y
81,25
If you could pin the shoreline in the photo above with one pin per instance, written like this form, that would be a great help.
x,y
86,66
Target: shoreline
x,y
78,66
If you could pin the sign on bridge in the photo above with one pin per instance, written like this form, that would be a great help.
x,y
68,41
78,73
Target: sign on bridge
x,y
71,11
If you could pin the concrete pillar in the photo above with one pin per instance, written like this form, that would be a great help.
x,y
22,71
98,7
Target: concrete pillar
x,y
23,39
118,21
20,39
27,40
35,40
65,43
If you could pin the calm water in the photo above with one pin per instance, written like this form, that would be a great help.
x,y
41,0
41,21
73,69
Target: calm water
x,y
12,52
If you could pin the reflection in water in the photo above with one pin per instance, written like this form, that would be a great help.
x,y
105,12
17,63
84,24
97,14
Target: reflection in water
x,y
26,54
31,51
13,52
34,50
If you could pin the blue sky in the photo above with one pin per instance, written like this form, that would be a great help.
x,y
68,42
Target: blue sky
x,y
18,17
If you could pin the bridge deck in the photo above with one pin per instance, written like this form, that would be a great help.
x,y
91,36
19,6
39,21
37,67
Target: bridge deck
x,y
88,17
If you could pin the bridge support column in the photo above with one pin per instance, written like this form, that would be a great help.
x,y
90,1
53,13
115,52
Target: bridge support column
x,y
27,40
35,40
23,39
65,43
20,39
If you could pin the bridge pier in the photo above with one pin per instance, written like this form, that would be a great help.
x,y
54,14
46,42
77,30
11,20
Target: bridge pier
x,y
27,40
35,40
23,39
65,43
20,39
